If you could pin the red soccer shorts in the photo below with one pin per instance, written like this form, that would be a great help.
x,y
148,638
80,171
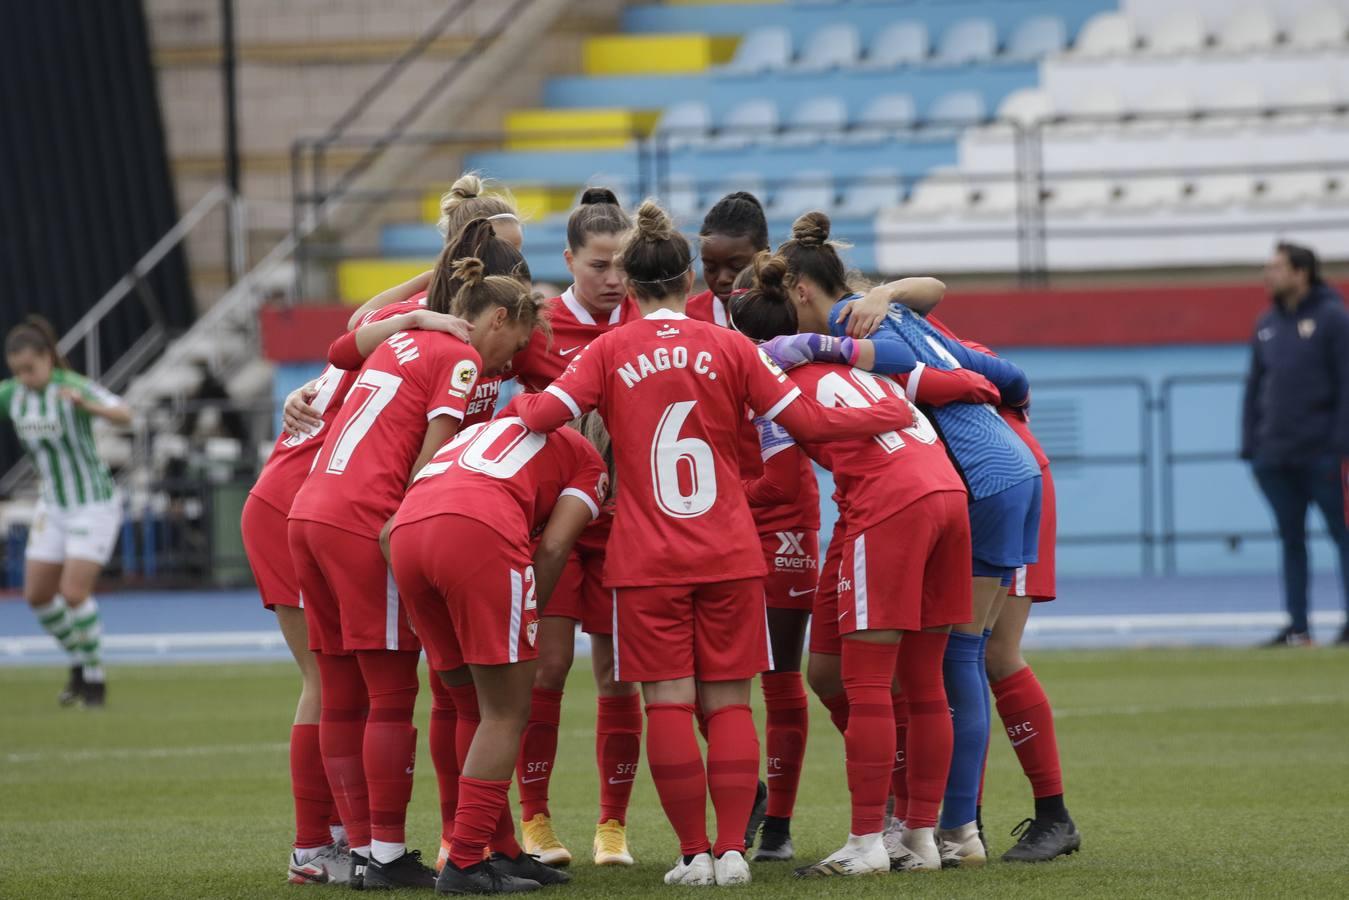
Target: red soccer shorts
x,y
824,612
469,590
580,593
793,559
1036,581
351,602
713,632
267,546
910,571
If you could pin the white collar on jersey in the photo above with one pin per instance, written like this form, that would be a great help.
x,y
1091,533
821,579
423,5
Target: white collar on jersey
x,y
719,311
665,314
582,314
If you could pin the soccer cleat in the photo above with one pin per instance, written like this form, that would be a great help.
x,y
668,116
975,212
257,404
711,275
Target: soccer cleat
x,y
697,872
482,878
861,855
405,871
756,814
74,689
528,868
359,864
890,836
1041,840
731,868
961,847
95,695
541,841
444,855
914,850
611,844
1290,638
330,865
775,841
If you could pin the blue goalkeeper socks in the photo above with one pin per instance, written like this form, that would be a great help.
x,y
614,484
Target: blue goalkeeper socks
x,y
967,695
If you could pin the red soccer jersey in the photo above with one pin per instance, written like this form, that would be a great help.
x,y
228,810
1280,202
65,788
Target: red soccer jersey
x,y
879,476
507,477
672,392
361,472
705,307
573,327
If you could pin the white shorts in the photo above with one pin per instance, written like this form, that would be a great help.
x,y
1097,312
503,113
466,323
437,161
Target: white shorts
x,y
87,532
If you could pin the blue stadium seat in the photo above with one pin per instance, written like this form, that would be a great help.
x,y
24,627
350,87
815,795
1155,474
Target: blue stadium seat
x,y
762,50
681,197
968,41
958,108
834,47
898,44
754,121
804,191
881,118
1036,38
873,191
814,120
685,124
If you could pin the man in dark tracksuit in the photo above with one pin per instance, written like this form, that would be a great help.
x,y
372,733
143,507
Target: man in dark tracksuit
x,y
1295,421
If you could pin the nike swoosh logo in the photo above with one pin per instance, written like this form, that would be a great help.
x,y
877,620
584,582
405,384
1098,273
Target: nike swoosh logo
x,y
409,770
842,614
795,593
1023,740
532,780
621,780
569,351
774,775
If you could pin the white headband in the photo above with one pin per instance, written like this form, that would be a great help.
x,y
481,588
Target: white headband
x,y
503,216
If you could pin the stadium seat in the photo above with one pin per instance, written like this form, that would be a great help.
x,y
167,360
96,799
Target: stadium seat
x,y
1235,106
832,47
815,120
1179,33
899,44
875,190
1249,29
1222,190
995,197
1308,104
762,50
1319,26
942,193
1164,110
1026,107
1079,195
685,124
753,121
958,108
1107,34
681,196
1291,188
967,41
881,118
804,191
1150,193
1036,38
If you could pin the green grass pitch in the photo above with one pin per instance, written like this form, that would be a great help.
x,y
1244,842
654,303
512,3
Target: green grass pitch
x,y
1191,773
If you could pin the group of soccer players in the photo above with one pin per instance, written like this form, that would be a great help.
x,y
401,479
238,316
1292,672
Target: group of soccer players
x,y
677,521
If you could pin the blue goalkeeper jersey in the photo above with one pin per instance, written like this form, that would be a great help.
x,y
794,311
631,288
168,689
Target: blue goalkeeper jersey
x,y
989,455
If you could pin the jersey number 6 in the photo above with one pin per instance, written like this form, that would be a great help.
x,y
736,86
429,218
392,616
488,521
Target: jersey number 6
x,y
673,456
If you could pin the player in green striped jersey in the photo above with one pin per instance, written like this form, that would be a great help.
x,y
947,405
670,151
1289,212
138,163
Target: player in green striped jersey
x,y
78,516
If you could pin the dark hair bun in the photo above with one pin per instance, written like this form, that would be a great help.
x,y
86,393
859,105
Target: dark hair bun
x,y
811,229
593,195
771,273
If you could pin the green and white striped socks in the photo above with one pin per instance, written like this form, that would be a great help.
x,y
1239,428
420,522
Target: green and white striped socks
x,y
89,636
55,617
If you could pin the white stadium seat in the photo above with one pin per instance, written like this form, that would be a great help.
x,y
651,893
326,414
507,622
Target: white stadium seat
x,y
1079,195
1251,28
993,197
1106,34
968,41
763,50
1026,106
898,44
1036,38
875,190
681,196
814,121
803,192
832,47
1291,188
747,123
1150,192
685,124
941,193
1181,32
881,118
1319,26
1222,190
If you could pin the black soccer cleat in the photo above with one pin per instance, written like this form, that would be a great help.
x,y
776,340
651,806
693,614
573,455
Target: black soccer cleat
x,y
359,864
481,878
1289,637
775,841
94,695
74,689
756,814
1043,839
406,871
527,867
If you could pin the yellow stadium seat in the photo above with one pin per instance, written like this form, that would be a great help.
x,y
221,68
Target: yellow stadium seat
x,y
655,54
360,279
576,129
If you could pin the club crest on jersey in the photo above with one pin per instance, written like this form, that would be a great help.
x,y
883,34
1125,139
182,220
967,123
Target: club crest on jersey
x,y
602,487
532,632
463,378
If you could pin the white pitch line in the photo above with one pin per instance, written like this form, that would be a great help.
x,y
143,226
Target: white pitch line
x,y
120,753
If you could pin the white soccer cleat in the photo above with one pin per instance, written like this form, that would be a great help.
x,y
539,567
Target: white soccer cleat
x,y
961,847
915,850
894,828
731,868
699,872
861,855
330,865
